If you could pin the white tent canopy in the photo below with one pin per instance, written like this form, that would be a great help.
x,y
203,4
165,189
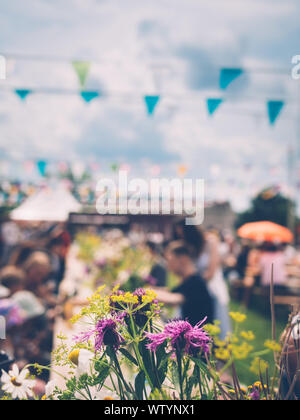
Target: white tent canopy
x,y
48,204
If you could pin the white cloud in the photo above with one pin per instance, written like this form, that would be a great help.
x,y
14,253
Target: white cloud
x,y
137,47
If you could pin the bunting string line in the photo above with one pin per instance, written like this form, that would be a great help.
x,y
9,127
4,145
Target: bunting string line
x,y
82,68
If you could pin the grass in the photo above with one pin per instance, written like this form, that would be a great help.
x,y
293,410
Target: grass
x,y
261,325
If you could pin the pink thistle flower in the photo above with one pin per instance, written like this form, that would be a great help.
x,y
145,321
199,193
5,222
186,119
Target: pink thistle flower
x,y
106,334
182,336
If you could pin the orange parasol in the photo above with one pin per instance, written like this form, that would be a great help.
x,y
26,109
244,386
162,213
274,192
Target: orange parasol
x,y
265,232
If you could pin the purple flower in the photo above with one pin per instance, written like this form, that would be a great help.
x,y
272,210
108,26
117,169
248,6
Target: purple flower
x,y
140,316
182,336
255,395
101,263
11,312
150,280
106,334
139,293
87,269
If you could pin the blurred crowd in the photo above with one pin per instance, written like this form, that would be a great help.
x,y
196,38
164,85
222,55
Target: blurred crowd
x,y
30,275
209,265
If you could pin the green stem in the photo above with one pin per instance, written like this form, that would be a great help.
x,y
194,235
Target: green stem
x,y
199,380
119,371
137,353
178,356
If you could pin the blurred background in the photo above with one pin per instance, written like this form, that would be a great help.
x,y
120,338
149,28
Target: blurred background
x,y
153,73
168,88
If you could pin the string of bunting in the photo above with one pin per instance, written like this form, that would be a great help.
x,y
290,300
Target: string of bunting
x,y
78,169
82,69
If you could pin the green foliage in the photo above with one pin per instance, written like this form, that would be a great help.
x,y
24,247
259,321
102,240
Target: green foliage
x,y
268,205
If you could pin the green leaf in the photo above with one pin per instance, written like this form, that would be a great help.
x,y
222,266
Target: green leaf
x,y
174,374
163,367
103,369
145,353
161,353
128,356
140,384
192,381
102,375
202,366
71,384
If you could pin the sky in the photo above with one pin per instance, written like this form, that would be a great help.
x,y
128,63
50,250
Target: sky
x,y
174,48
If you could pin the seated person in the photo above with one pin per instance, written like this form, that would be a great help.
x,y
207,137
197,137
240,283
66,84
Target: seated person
x,y
37,268
32,341
12,278
192,293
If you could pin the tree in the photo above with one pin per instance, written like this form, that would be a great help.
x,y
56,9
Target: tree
x,y
270,205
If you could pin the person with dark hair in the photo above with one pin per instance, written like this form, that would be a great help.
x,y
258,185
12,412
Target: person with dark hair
x,y
12,278
191,294
20,253
57,248
242,259
158,271
191,235
263,259
272,254
204,249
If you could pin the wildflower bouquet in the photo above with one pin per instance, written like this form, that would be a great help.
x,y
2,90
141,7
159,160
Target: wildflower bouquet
x,y
124,352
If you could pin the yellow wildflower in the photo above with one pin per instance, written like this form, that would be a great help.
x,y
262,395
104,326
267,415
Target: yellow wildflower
x,y
115,289
242,351
259,386
128,298
149,297
219,343
258,366
248,335
222,354
238,317
272,345
212,329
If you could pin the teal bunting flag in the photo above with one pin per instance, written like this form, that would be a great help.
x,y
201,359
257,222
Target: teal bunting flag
x,y
227,76
23,93
213,104
151,102
274,109
42,165
88,96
